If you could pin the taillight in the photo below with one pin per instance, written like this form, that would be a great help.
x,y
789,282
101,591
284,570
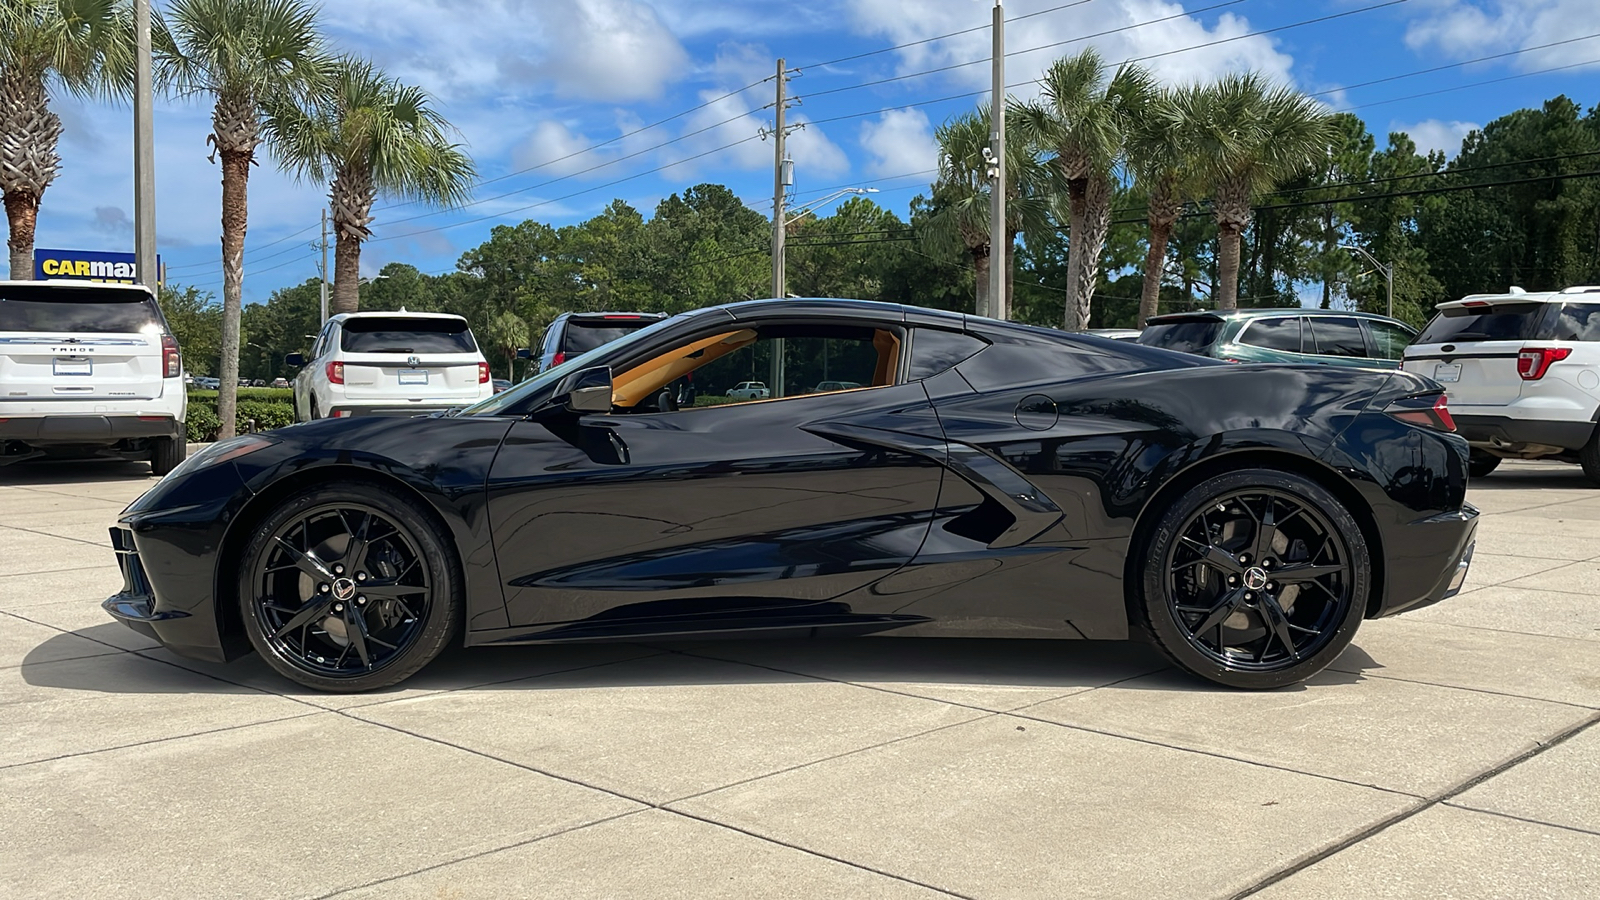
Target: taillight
x,y
171,362
336,372
1533,362
483,373
1429,411
559,358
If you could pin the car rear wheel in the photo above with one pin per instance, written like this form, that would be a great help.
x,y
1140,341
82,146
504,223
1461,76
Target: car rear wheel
x,y
1255,579
166,454
349,588
1480,464
1589,457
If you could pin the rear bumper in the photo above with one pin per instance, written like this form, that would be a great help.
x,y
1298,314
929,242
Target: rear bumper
x,y
1415,577
1513,434
86,429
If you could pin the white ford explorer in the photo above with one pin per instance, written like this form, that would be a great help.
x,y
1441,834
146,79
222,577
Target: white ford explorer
x,y
1522,373
390,363
89,368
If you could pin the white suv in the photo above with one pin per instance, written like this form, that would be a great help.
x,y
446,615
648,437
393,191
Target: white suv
x,y
390,363
1522,372
89,367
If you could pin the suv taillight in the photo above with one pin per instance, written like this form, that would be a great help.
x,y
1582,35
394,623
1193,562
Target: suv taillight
x,y
559,358
336,372
1428,410
483,373
171,362
1533,362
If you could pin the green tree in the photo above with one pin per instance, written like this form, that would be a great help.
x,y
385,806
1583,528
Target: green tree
x,y
1248,136
246,55
507,333
1082,117
195,320
371,135
82,46
1164,167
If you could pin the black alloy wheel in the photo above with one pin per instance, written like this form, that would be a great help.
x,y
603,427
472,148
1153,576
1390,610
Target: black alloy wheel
x,y
1256,579
349,588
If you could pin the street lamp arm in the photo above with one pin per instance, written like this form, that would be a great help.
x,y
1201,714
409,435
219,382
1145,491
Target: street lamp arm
x,y
806,210
1387,271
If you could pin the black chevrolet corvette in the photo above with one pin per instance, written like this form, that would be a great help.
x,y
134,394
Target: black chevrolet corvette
x,y
909,472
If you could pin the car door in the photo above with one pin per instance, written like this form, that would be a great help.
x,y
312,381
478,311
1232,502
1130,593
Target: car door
x,y
1339,340
1387,342
732,514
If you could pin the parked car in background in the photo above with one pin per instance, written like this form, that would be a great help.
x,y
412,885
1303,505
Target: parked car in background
x,y
207,383
824,387
1115,334
501,384
1522,371
749,390
280,382
573,333
1291,335
89,367
389,363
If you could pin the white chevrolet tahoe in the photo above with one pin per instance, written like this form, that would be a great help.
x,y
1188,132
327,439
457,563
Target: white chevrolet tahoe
x,y
90,368
389,364
1522,373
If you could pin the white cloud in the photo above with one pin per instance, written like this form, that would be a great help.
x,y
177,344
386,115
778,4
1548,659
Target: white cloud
x,y
728,120
900,142
1433,134
555,150
903,21
1462,29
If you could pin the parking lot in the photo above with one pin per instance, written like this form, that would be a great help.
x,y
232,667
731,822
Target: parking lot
x,y
1450,752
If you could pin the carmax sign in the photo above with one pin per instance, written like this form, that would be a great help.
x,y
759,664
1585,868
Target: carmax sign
x,y
89,265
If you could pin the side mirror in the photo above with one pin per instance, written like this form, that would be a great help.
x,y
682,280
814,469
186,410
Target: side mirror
x,y
524,353
295,359
588,390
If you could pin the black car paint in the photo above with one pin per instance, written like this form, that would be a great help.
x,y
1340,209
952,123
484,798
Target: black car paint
x,y
1000,496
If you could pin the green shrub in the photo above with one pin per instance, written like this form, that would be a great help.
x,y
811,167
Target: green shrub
x,y
270,408
202,422
268,414
285,395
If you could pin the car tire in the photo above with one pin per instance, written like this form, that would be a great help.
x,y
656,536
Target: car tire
x,y
1589,458
401,544
1480,464
313,407
166,453
1194,598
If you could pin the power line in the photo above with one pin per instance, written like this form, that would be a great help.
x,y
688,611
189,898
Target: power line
x,y
940,37
1462,87
1454,65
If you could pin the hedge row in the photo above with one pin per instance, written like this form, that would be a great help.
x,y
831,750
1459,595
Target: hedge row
x,y
265,408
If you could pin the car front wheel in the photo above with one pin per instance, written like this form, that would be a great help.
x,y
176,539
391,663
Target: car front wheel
x,y
1254,579
349,588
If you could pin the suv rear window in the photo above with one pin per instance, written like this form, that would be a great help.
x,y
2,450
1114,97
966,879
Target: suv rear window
x,y
1184,335
83,310
406,335
1500,322
581,336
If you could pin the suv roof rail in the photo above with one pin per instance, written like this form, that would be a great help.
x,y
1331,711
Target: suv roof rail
x,y
1582,289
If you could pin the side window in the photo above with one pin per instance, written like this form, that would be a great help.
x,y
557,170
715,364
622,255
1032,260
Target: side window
x,y
1337,336
321,346
1389,340
1577,322
933,351
1275,333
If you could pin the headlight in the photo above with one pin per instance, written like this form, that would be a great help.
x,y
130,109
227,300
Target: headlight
x,y
221,452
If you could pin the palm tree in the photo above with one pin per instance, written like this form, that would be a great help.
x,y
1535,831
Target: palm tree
x,y
1082,117
372,135
84,46
1247,136
246,54
961,196
1162,164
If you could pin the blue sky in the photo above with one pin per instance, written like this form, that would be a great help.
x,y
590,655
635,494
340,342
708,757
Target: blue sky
x,y
528,82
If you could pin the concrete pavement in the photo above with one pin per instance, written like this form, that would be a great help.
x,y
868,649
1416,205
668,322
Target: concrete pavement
x,y
1450,752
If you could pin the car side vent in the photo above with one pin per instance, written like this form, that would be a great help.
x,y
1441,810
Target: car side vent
x,y
984,523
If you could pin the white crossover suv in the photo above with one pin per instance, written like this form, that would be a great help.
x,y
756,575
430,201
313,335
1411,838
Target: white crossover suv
x,y
1522,373
89,368
390,363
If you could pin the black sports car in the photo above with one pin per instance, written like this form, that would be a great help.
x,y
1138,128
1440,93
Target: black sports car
x,y
983,478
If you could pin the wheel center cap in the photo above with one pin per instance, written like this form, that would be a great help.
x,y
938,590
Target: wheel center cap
x,y
344,589
1255,578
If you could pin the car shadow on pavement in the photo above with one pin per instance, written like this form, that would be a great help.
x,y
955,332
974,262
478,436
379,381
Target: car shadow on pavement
x,y
1548,475
73,471
999,664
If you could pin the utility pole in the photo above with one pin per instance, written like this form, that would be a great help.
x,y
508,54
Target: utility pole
x,y
779,289
144,148
324,245
999,257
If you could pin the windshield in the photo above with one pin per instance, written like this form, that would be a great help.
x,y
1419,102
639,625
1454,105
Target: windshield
x,y
1184,335
82,310
507,399
377,334
1500,322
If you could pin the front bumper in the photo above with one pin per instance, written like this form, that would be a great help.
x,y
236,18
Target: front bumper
x,y
1513,435
1414,577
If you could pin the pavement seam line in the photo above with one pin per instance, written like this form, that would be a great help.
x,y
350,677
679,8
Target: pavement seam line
x,y
1385,824
1456,687
18,615
1506,815
160,740
1567,637
60,537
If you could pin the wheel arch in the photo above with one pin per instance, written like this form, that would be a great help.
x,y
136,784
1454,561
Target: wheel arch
x,y
230,625
1260,457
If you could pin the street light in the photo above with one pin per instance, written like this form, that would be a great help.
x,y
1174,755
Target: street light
x,y
1388,271
811,207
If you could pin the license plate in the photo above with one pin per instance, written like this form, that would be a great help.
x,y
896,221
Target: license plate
x,y
74,366
413,376
1447,373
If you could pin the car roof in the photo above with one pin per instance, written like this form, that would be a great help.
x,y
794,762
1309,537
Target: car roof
x,y
77,283
1261,313
398,314
618,314
1582,293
